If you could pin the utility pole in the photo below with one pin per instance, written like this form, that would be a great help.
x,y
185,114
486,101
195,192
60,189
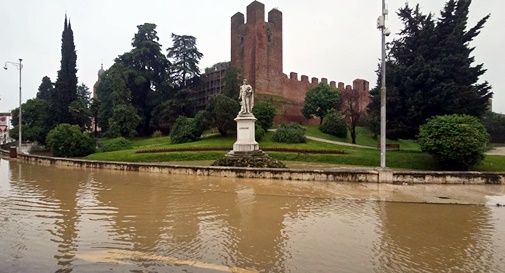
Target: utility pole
x,y
20,67
381,25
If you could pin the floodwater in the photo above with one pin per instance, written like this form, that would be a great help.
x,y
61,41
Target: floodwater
x,y
71,220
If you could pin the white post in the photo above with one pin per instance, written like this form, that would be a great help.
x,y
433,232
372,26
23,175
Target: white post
x,y
381,24
20,112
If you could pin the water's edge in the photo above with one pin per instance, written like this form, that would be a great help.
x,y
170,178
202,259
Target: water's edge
x,y
359,175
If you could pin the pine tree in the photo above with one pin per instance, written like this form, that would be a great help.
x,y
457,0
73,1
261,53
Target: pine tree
x,y
46,89
66,84
185,58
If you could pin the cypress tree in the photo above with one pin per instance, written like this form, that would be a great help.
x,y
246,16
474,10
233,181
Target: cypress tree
x,y
66,84
46,89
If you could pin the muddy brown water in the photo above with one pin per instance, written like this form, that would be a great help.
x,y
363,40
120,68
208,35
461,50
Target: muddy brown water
x,y
71,220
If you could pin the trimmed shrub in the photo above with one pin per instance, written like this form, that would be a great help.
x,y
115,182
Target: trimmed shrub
x,y
116,144
259,132
184,130
457,142
289,133
157,134
223,111
68,141
203,121
264,112
124,121
333,124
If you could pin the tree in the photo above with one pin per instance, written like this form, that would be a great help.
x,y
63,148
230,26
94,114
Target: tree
x,y
264,111
334,124
65,91
185,58
165,114
431,71
46,89
123,122
319,100
144,72
223,111
232,81
495,126
36,121
351,111
79,109
455,141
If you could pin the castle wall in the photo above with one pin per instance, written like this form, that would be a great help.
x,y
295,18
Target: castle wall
x,y
256,50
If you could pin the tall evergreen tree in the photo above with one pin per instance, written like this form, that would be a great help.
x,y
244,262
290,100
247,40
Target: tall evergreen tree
x,y
430,70
185,59
46,89
65,91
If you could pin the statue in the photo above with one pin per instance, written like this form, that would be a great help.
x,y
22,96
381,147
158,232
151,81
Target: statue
x,y
246,97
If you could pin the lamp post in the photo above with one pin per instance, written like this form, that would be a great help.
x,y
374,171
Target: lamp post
x,y
20,67
381,25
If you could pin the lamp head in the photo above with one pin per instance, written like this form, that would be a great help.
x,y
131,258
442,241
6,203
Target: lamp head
x,y
5,67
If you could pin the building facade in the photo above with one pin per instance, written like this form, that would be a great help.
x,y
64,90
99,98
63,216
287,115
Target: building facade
x,y
5,122
211,84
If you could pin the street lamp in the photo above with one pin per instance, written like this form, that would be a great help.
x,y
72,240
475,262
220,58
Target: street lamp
x,y
381,25
20,67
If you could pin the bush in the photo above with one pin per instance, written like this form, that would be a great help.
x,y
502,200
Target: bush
x,y
157,134
495,126
289,133
184,130
203,121
334,124
264,111
116,144
456,141
259,132
68,141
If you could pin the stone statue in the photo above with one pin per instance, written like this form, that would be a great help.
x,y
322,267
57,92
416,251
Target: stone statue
x,y
246,97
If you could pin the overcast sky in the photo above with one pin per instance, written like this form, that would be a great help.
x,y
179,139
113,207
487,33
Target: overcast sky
x,y
336,39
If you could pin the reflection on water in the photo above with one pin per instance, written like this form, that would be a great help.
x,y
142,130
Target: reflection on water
x,y
63,220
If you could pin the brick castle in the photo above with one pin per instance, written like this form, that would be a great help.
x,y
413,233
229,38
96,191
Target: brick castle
x,y
256,50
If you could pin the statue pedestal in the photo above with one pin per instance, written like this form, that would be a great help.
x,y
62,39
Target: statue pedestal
x,y
246,139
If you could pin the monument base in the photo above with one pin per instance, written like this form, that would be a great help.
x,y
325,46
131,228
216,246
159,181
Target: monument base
x,y
246,134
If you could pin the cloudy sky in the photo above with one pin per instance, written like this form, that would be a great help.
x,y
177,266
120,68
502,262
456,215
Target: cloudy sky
x,y
335,39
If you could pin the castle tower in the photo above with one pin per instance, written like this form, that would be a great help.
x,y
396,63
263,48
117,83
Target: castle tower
x,y
256,47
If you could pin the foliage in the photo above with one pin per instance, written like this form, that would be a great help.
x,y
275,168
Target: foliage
x,y
223,111
430,70
184,130
319,100
203,121
259,132
289,133
157,134
65,90
123,122
455,141
264,111
351,111
232,81
165,114
46,89
333,124
79,109
116,144
68,141
143,75
185,58
495,126
36,121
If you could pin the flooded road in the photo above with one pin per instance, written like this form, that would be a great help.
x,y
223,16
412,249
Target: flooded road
x,y
71,220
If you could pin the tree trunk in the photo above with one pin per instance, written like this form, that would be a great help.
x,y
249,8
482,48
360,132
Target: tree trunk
x,y
353,133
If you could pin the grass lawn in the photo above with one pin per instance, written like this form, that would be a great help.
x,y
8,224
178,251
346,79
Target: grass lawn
x,y
404,159
363,137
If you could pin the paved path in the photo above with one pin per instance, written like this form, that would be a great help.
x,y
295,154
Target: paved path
x,y
338,143
497,151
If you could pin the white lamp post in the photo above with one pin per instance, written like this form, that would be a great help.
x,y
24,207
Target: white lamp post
x,y
20,67
381,25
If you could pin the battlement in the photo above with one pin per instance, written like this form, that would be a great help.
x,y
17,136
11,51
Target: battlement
x,y
255,13
293,76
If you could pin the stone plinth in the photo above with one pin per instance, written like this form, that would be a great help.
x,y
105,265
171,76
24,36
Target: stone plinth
x,y
246,139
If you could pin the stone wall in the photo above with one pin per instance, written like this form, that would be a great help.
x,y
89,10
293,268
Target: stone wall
x,y
351,175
